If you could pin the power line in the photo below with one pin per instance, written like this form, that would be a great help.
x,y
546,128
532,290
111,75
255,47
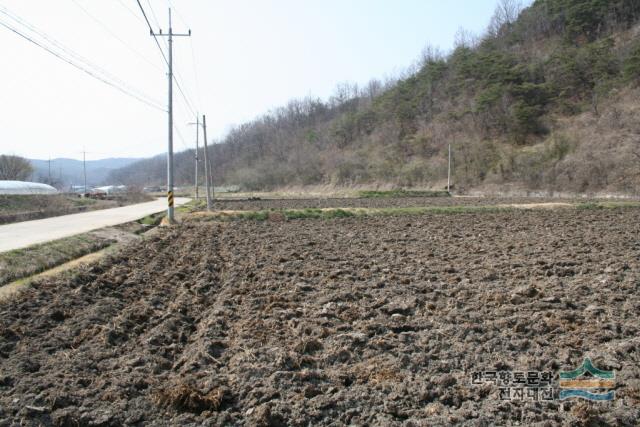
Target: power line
x,y
182,140
144,14
89,72
180,15
184,21
155,18
188,108
187,99
114,35
195,74
129,10
75,56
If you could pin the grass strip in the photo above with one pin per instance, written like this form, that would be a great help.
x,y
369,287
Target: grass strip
x,y
153,220
373,194
330,213
34,259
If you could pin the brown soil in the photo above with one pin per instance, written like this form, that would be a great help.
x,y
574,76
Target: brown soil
x,y
363,321
383,202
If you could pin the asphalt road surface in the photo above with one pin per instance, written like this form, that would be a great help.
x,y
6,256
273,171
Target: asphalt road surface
x,y
27,233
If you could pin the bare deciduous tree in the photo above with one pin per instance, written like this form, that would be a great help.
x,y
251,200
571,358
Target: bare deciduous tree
x,y
506,13
373,89
464,39
343,93
430,54
14,168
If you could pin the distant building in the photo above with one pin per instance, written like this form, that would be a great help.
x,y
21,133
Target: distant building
x,y
110,189
79,189
24,187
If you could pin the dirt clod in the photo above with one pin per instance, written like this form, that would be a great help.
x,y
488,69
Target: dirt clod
x,y
184,397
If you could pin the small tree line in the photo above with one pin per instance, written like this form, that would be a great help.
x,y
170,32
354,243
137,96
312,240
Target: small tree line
x,y
14,168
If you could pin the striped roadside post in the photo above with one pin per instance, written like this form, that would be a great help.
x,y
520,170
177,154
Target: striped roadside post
x,y
170,202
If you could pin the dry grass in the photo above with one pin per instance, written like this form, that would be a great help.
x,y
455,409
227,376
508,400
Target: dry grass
x,y
606,156
12,288
331,213
20,267
20,263
16,208
185,397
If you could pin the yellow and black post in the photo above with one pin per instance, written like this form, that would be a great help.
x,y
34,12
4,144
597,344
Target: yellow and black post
x,y
170,203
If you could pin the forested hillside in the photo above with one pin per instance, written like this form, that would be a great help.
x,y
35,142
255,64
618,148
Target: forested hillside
x,y
548,98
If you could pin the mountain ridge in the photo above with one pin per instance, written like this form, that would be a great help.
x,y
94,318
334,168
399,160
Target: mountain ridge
x,y
67,171
546,99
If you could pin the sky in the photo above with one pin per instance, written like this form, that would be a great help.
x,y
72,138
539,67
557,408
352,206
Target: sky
x,y
244,58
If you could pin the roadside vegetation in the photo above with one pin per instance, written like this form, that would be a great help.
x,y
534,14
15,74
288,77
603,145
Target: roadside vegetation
x,y
153,220
25,262
16,208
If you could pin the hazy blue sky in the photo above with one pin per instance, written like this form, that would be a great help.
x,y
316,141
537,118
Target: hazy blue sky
x,y
250,56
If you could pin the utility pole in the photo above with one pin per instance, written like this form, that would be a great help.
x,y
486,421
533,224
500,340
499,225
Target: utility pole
x,y
197,124
84,172
449,171
170,35
197,148
213,187
49,170
206,161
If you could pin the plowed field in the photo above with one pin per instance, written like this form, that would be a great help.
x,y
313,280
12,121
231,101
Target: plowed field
x,y
355,321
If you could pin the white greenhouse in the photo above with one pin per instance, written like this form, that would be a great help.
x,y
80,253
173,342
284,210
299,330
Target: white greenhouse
x,y
23,187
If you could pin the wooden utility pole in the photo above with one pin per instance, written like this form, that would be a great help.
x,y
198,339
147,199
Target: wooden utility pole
x,y
211,183
84,172
206,161
197,124
170,35
197,148
449,171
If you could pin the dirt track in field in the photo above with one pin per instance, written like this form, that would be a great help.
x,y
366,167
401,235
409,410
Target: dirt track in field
x,y
362,321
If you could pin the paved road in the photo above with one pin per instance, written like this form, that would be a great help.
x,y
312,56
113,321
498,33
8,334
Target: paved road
x,y
27,233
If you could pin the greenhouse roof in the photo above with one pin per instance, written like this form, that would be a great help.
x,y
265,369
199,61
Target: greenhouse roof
x,y
23,187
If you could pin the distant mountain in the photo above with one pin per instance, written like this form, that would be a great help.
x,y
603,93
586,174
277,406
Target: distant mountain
x,y
65,172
